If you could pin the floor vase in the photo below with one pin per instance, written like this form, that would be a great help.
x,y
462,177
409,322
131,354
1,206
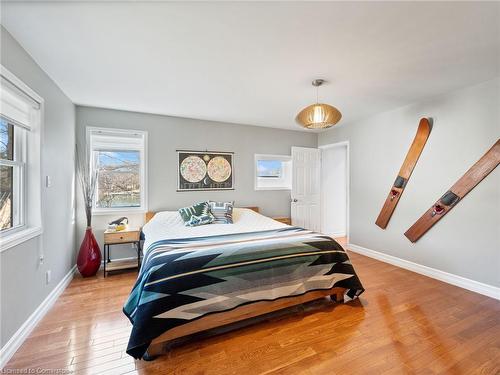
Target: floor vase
x,y
89,256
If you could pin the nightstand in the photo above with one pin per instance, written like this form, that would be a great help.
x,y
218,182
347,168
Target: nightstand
x,y
283,219
118,238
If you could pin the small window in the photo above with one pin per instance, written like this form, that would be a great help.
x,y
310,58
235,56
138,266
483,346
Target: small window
x,y
120,159
273,172
269,168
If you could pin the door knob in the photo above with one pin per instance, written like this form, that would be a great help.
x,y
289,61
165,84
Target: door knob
x,y
294,200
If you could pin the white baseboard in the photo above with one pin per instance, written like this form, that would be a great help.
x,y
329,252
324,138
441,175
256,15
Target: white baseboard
x,y
23,332
462,282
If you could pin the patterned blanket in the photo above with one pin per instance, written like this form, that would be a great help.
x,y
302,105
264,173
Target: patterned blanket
x,y
185,279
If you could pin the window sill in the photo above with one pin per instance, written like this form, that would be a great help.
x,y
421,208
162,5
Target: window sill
x,y
10,240
112,211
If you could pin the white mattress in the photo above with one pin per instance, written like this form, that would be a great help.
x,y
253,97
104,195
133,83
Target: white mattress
x,y
169,224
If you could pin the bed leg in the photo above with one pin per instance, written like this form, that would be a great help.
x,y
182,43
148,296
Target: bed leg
x,y
149,357
155,350
337,297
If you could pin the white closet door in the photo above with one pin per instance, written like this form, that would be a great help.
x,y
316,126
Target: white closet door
x,y
306,188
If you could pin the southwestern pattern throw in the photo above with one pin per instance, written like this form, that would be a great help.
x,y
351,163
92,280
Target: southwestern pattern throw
x,y
185,279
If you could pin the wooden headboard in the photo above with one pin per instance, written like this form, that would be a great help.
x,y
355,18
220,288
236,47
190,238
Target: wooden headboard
x,y
256,209
149,215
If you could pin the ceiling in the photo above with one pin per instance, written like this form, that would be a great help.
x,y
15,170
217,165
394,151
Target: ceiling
x,y
252,62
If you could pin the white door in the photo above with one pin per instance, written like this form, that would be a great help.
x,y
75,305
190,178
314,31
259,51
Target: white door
x,y
306,188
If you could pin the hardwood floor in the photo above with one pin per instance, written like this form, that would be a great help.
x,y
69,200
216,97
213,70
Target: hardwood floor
x,y
404,323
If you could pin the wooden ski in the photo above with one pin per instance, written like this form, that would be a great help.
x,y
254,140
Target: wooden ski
x,y
423,131
464,185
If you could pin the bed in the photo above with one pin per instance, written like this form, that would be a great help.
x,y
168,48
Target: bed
x,y
197,278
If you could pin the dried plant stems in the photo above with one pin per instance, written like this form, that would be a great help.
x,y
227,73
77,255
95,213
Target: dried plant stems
x,y
87,177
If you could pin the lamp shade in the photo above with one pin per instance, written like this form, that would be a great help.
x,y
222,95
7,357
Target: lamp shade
x,y
318,116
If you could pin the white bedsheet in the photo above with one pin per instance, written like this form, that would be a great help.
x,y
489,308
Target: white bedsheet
x,y
169,224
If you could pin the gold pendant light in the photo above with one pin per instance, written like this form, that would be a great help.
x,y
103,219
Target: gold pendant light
x,y
319,115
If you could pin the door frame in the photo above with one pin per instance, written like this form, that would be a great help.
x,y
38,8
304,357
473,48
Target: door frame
x,y
347,178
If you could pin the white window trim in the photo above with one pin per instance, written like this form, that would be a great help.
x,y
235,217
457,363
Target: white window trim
x,y
143,170
32,226
12,239
257,157
19,165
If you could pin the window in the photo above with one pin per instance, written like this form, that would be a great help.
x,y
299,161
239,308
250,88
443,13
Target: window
x,y
269,168
12,162
120,159
20,169
273,172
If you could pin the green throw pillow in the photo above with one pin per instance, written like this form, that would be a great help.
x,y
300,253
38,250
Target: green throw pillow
x,y
200,220
198,209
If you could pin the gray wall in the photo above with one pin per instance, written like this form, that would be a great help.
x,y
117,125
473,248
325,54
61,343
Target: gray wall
x,y
22,277
466,124
167,134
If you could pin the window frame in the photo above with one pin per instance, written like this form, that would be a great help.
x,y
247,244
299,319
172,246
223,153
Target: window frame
x,y
18,165
30,169
143,168
283,159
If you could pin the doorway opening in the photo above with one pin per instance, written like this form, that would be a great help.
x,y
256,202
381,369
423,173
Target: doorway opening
x,y
335,190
